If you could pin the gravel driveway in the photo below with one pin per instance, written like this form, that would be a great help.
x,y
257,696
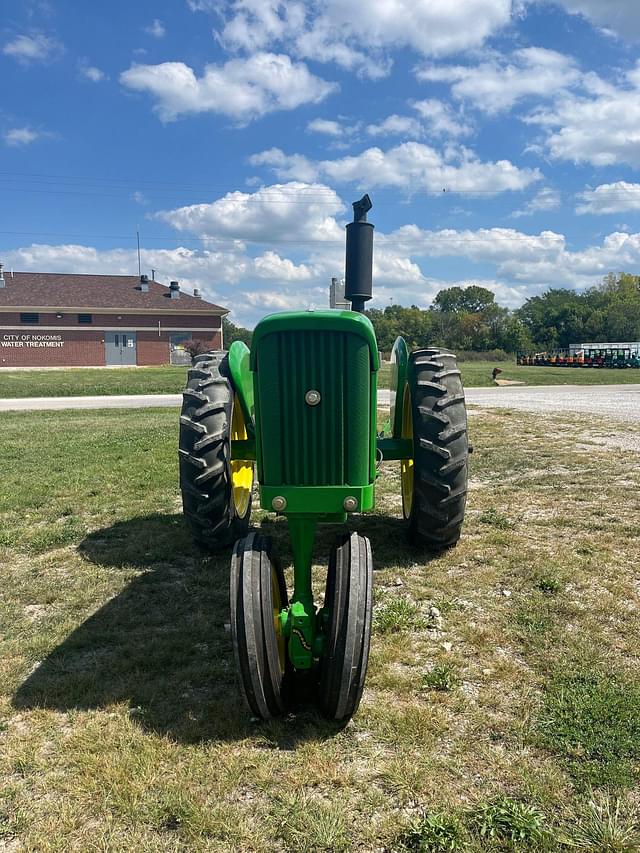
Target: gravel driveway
x,y
618,402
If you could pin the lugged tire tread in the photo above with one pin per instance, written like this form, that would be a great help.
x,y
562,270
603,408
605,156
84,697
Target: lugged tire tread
x,y
440,449
450,400
189,423
204,454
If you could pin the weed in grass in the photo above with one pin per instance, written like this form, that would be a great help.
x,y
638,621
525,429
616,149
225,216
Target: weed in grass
x,y
534,617
548,583
496,519
511,822
606,825
592,719
395,615
442,677
436,833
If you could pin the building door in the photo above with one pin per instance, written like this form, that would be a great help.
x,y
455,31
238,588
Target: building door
x,y
120,349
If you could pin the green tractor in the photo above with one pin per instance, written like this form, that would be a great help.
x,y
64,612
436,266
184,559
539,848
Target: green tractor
x,y
299,411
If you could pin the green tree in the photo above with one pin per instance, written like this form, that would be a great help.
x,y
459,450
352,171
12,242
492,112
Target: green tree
x,y
231,333
472,299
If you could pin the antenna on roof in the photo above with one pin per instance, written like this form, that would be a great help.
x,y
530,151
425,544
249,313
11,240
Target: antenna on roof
x,y
138,237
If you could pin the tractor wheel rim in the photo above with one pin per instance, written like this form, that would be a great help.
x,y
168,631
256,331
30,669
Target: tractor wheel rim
x,y
241,469
406,466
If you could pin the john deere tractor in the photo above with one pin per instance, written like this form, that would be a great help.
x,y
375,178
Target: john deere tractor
x,y
298,415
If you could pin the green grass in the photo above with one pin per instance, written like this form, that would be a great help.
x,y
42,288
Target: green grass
x,y
171,380
121,724
592,719
477,374
90,382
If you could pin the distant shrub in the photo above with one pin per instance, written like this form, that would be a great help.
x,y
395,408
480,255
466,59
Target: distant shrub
x,y
490,355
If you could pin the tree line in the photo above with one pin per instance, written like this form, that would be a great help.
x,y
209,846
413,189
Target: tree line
x,y
470,319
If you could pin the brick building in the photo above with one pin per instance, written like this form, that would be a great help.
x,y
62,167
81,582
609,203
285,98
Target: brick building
x,y
60,320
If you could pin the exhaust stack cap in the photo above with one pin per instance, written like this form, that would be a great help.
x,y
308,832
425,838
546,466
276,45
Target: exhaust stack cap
x,y
196,293
144,283
174,290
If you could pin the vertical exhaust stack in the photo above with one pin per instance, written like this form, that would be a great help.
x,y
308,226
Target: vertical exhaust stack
x,y
359,260
1,275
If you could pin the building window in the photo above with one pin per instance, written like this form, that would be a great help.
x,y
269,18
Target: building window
x,y
85,318
29,318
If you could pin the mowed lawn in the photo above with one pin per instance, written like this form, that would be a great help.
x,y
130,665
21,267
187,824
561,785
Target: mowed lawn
x,y
502,705
72,382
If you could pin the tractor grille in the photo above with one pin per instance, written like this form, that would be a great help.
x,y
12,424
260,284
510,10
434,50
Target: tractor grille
x,y
322,445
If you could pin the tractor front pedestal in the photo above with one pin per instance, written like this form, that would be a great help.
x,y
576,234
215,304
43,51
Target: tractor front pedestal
x,y
274,640
300,621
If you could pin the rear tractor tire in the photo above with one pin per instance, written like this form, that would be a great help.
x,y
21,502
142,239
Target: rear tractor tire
x,y
434,482
216,492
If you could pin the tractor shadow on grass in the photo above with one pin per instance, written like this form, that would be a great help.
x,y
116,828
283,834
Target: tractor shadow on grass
x,y
162,645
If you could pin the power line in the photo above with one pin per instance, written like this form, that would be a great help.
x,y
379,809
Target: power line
x,y
457,237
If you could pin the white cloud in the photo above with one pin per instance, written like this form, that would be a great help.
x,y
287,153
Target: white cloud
x,y
356,33
522,259
440,119
281,212
411,166
326,126
288,166
610,198
621,16
258,23
241,88
601,126
18,136
91,72
37,47
500,82
203,5
255,284
588,120
546,199
156,29
395,125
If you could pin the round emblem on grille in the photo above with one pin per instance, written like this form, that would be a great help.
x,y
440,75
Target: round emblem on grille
x,y
312,397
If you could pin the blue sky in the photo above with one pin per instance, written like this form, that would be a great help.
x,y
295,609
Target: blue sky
x,y
498,139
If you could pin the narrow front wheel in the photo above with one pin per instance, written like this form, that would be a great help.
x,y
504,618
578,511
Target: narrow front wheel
x,y
348,599
258,595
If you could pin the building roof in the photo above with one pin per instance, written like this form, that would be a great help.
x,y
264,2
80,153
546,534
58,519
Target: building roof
x,y
42,290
